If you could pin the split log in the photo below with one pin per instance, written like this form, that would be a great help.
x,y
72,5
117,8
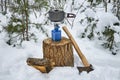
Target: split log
x,y
60,52
43,65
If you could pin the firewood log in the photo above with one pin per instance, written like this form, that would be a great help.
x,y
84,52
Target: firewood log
x,y
43,65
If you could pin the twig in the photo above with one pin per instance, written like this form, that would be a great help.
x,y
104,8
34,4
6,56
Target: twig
x,y
68,22
78,12
6,5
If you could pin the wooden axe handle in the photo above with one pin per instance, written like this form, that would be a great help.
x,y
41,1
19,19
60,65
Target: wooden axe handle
x,y
83,58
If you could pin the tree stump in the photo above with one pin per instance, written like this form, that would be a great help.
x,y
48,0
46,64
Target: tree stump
x,y
60,52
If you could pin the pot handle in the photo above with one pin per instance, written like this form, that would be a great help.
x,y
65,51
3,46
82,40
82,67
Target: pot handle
x,y
71,15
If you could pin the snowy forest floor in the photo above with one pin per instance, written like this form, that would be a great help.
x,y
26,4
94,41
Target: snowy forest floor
x,y
13,64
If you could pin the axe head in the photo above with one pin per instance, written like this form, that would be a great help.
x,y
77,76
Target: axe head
x,y
87,69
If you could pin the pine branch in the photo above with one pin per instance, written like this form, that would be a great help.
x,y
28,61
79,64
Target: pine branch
x,y
78,12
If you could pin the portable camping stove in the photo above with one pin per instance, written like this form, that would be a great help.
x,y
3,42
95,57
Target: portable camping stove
x,y
57,16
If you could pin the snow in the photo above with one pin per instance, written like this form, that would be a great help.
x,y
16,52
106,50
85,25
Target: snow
x,y
117,38
13,64
18,23
106,19
90,13
14,67
4,20
39,18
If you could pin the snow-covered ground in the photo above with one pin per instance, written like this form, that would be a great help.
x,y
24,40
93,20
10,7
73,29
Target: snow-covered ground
x,y
13,64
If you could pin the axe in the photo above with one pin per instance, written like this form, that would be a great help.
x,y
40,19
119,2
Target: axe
x,y
87,67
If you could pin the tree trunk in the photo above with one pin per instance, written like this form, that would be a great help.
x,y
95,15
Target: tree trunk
x,y
105,4
109,1
26,18
118,10
23,27
1,5
60,52
5,6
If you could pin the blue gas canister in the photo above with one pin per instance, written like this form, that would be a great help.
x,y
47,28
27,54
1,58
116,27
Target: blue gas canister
x,y
56,34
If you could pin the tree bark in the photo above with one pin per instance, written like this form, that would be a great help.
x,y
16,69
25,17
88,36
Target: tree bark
x,y
5,6
105,4
118,10
43,65
82,57
1,5
60,52
26,18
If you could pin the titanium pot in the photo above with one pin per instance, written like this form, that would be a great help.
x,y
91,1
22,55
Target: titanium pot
x,y
56,15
